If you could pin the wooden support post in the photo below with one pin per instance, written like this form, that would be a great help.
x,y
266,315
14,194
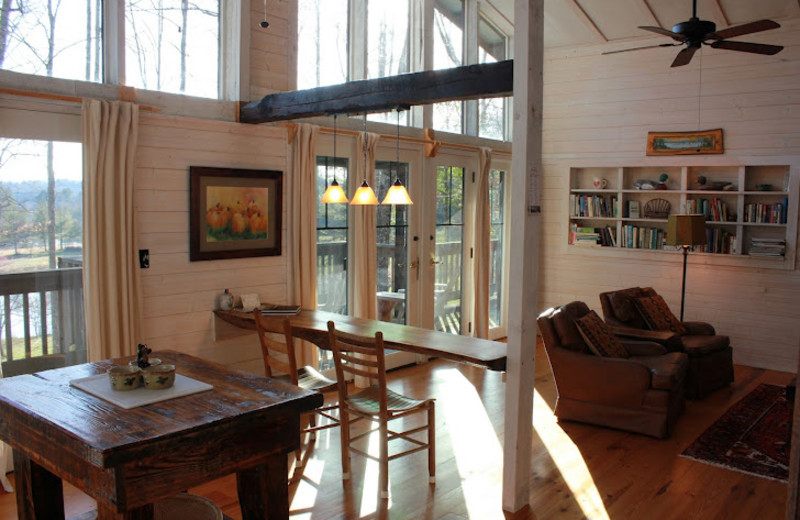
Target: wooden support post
x,y
524,251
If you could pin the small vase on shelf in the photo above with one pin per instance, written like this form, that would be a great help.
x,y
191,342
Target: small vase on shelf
x,y
225,301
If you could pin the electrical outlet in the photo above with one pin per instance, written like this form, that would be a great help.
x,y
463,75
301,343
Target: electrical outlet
x,y
144,258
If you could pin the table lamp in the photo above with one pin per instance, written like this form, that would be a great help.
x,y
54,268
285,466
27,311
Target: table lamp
x,y
686,231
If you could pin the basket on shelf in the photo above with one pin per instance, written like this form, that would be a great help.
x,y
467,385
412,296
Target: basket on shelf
x,y
656,208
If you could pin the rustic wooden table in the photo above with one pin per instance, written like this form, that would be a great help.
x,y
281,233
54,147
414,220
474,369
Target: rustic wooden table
x,y
313,326
128,459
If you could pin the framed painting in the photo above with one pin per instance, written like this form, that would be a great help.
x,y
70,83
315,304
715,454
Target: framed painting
x,y
234,213
684,143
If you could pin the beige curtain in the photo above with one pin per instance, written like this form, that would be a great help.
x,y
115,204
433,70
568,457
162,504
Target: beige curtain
x,y
302,235
6,460
482,224
365,268
110,260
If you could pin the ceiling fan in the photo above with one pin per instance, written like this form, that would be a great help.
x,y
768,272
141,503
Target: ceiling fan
x,y
695,32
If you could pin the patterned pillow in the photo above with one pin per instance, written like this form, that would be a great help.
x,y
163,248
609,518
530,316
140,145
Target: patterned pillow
x,y
657,316
599,337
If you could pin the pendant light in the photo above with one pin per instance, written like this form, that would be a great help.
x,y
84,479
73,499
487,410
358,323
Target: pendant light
x,y
334,193
397,193
364,196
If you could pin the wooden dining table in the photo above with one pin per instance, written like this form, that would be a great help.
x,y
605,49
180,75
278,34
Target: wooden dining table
x,y
127,459
312,326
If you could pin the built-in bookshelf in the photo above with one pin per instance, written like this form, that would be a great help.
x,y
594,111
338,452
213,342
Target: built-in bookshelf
x,y
751,209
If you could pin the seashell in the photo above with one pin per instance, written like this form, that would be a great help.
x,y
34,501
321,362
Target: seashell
x,y
657,208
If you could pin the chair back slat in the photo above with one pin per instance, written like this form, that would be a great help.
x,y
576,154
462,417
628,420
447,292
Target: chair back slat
x,y
279,357
359,356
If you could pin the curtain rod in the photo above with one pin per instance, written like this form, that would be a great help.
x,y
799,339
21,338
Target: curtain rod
x,y
124,95
415,140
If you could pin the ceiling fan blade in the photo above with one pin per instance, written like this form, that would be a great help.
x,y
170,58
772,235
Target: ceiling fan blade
x,y
684,57
663,32
739,30
755,48
641,48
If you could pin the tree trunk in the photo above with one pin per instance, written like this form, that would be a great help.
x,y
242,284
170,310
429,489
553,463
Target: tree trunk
x,y
51,207
184,27
5,14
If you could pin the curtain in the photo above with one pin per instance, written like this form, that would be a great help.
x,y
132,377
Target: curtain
x,y
6,460
302,235
110,270
482,253
365,266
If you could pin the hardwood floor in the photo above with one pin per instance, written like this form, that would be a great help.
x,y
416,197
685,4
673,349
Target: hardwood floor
x,y
578,471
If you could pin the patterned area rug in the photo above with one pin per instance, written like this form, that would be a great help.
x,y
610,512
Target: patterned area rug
x,y
753,436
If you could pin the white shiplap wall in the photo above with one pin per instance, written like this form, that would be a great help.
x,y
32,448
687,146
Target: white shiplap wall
x,y
600,108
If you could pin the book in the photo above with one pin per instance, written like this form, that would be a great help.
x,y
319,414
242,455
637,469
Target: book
x,y
273,309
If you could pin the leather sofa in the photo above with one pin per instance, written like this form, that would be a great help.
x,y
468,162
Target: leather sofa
x,y
710,355
642,393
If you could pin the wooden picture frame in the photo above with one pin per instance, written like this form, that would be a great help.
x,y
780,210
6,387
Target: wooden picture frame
x,y
234,213
685,143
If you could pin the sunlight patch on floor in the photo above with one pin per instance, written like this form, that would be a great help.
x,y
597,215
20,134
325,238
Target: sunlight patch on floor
x,y
568,459
476,448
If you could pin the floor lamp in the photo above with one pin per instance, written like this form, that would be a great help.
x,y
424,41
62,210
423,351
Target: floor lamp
x,y
686,231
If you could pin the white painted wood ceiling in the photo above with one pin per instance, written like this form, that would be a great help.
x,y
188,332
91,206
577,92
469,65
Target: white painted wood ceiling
x,y
573,23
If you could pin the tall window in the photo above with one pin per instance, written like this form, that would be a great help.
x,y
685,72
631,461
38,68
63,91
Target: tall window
x,y
392,240
41,215
52,38
332,226
321,43
173,46
449,247
388,45
448,52
497,194
491,111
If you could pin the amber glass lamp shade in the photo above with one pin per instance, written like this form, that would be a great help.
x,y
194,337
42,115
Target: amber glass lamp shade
x,y
397,194
334,194
364,196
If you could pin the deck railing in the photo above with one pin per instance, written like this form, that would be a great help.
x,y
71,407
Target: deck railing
x,y
42,315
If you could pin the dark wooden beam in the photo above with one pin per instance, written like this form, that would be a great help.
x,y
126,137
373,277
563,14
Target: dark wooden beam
x,y
384,94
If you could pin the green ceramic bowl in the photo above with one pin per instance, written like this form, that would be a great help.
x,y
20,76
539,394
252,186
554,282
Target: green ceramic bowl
x,y
124,377
158,377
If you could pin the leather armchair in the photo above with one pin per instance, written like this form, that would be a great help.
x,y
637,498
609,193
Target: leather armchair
x,y
710,354
643,393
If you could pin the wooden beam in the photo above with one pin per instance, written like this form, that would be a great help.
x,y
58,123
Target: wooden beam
x,y
384,94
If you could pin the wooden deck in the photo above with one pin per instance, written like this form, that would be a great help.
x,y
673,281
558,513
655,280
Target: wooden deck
x,y
578,471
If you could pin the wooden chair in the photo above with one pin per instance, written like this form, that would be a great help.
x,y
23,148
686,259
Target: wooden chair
x,y
364,356
280,362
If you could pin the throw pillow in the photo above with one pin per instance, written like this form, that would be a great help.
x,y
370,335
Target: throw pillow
x,y
657,316
599,337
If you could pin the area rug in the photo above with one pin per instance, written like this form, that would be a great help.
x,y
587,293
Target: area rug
x,y
753,436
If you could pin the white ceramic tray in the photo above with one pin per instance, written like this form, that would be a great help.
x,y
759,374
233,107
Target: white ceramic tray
x,y
99,386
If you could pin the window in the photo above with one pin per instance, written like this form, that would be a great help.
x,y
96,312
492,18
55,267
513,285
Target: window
x,y
497,194
491,111
46,38
392,241
332,228
170,45
322,43
173,46
41,216
449,247
448,52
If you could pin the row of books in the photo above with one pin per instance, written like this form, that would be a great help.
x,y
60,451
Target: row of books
x,y
593,237
767,247
717,241
766,213
636,237
593,206
714,209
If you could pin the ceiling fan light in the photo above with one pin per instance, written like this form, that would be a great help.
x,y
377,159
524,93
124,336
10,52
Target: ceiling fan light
x,y
334,194
364,196
397,195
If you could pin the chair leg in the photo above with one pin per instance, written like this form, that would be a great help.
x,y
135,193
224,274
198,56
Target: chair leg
x,y
312,421
344,426
431,444
383,465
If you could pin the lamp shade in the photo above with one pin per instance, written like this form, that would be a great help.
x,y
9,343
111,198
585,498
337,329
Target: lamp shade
x,y
364,196
397,194
334,194
686,230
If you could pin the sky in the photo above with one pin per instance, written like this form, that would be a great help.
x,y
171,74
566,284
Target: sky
x,y
28,160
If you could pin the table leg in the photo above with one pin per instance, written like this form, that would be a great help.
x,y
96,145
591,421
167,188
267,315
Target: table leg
x,y
40,494
264,490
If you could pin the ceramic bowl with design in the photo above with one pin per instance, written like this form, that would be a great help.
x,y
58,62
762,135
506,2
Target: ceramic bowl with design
x,y
158,377
124,377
